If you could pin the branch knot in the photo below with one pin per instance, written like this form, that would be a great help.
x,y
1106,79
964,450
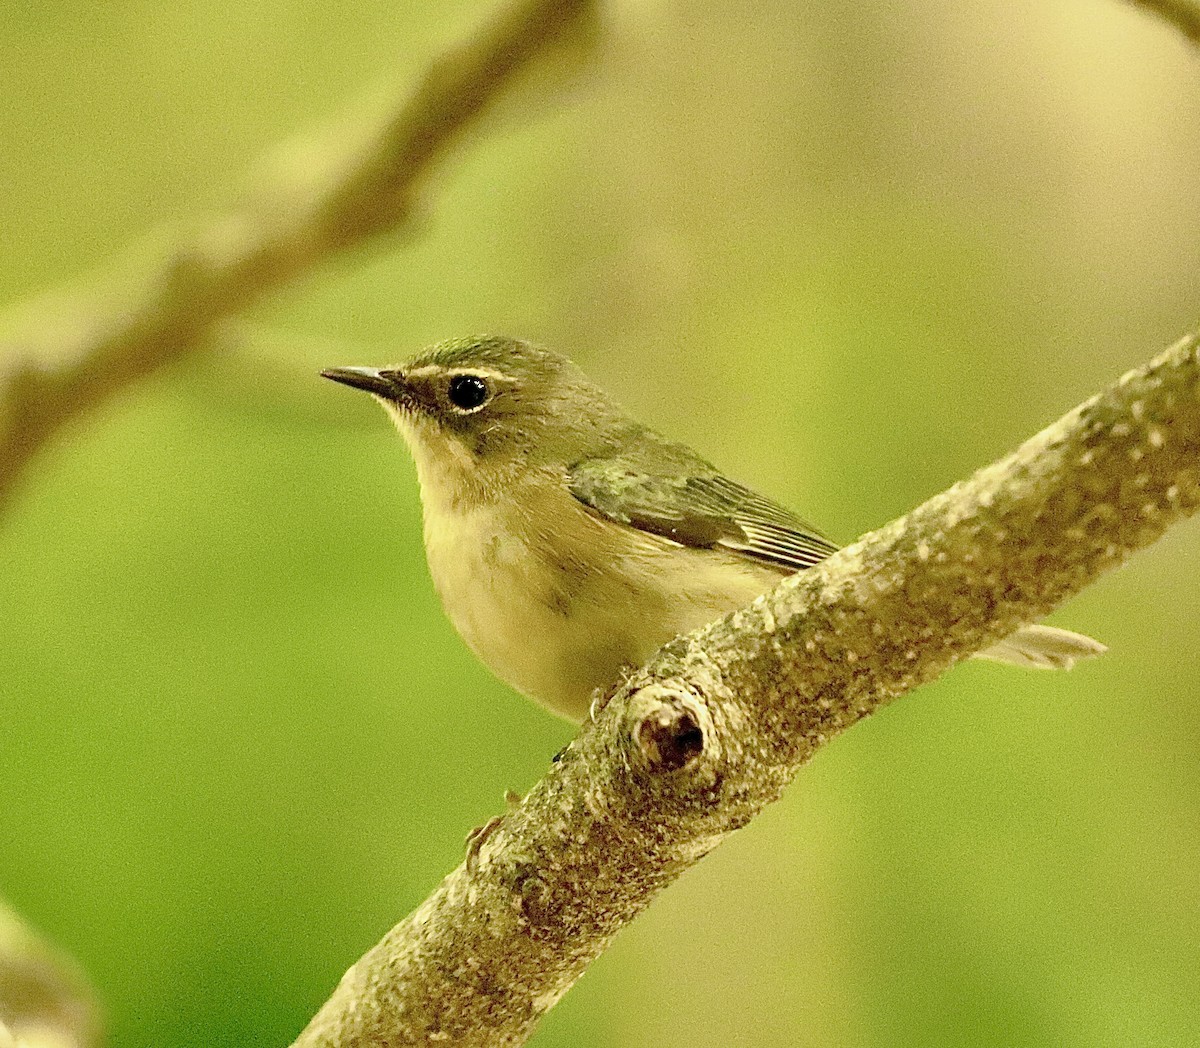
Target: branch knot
x,y
672,729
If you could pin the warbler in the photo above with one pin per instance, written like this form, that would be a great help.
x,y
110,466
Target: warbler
x,y
568,542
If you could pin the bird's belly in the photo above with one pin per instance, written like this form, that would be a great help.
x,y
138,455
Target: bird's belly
x,y
505,604
556,627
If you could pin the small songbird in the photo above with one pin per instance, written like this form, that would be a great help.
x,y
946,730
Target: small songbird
x,y
568,542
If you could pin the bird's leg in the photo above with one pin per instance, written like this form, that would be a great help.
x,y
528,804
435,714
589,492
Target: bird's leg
x,y
601,697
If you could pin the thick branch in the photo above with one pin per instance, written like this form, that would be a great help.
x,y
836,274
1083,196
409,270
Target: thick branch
x,y
365,187
721,721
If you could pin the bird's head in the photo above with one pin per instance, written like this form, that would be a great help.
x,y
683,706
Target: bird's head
x,y
475,410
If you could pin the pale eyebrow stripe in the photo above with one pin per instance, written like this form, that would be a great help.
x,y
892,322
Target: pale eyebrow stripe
x,y
430,370
481,372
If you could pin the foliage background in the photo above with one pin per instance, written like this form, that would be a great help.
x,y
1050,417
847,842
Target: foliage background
x,y
852,252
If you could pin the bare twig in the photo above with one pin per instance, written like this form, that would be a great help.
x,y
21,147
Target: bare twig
x,y
1183,14
722,719
285,231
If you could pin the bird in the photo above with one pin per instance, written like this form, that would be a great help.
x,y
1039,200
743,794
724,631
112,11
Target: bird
x,y
568,542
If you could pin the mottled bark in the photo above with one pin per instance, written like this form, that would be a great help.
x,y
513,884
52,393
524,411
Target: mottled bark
x,y
701,740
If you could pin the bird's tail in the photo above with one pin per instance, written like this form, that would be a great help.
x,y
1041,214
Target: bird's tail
x,y
1043,648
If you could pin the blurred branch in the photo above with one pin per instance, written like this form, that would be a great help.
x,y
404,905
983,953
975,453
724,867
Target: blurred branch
x,y
700,741
44,1001
1183,14
358,188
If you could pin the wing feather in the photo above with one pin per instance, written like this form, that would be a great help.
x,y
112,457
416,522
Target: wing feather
x,y
703,509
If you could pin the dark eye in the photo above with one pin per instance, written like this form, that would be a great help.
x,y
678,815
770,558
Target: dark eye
x,y
468,392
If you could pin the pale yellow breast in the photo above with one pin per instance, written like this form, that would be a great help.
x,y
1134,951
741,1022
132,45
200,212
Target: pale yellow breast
x,y
557,602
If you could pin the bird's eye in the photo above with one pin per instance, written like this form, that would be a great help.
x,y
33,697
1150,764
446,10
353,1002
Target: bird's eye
x,y
468,392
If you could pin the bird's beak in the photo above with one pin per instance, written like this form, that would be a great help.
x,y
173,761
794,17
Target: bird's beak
x,y
381,383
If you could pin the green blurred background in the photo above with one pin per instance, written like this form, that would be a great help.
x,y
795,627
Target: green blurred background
x,y
852,252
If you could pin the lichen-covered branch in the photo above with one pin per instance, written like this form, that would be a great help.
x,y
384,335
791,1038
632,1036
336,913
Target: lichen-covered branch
x,y
44,1001
707,735
1184,15
321,203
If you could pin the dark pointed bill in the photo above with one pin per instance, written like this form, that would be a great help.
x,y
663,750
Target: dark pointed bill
x,y
370,379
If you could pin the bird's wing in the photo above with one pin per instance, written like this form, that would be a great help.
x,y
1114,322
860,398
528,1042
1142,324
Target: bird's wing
x,y
702,509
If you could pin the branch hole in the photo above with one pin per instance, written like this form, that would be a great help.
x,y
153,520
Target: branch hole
x,y
670,739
